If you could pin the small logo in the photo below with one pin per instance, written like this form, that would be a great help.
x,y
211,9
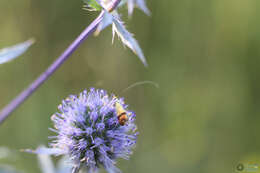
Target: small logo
x,y
246,167
240,167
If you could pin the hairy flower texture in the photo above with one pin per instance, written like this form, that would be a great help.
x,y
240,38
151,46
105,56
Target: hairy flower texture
x,y
89,131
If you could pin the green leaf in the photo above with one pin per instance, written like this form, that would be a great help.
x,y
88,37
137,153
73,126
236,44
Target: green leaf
x,y
93,4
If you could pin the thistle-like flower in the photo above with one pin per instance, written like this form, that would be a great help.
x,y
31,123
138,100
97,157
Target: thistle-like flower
x,y
90,133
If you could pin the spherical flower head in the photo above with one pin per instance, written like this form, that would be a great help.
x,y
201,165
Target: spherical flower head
x,y
89,130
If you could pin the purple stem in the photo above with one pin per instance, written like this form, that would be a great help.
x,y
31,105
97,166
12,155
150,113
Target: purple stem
x,y
6,111
114,5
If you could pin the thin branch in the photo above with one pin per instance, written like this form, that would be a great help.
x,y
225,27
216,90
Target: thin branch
x,y
6,111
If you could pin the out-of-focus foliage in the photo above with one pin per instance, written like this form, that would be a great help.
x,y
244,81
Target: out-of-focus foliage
x,y
204,55
7,169
6,154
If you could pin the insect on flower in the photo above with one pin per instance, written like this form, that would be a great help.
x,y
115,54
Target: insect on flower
x,y
121,114
93,129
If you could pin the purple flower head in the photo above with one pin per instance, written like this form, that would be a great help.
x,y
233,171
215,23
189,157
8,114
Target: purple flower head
x,y
88,130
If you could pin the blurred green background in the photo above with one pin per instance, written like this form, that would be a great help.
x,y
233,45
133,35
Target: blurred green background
x,y
204,54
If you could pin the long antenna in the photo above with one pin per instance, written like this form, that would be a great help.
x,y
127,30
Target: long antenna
x,y
142,83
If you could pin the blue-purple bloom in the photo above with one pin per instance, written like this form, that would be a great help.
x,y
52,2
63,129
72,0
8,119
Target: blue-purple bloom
x,y
89,132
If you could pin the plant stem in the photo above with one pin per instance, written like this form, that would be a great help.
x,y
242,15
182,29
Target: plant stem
x,y
114,5
6,111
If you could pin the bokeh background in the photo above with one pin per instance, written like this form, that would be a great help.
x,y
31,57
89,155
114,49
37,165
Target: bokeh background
x,y
204,55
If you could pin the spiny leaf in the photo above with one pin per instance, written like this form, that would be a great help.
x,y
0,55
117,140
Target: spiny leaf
x,y
131,6
46,163
127,38
106,21
141,4
44,150
64,166
10,53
